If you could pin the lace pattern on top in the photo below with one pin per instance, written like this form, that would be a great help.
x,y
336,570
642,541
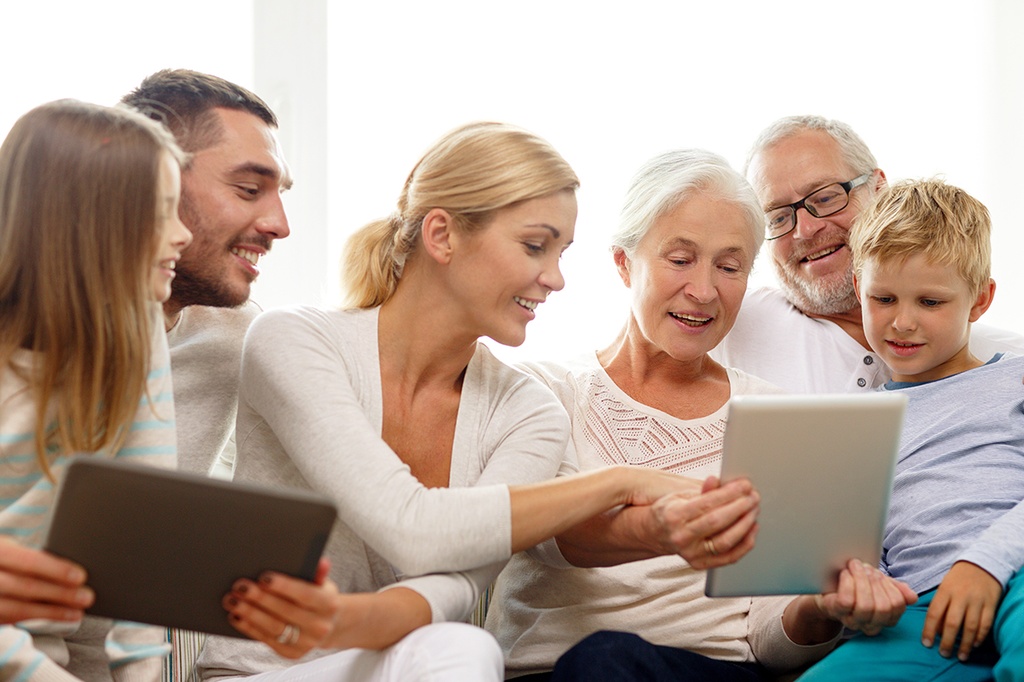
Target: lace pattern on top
x,y
620,433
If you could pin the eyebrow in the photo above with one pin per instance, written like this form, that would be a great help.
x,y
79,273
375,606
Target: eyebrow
x,y
689,243
553,229
252,168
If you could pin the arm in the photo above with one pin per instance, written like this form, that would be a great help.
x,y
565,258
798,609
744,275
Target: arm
x,y
22,661
679,523
306,397
37,584
967,599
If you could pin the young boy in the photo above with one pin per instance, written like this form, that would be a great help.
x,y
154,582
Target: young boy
x,y
955,532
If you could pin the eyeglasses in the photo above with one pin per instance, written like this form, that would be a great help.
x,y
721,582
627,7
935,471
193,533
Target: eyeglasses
x,y
820,203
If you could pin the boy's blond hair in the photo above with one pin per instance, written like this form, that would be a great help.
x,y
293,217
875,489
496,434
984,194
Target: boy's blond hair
x,y
929,217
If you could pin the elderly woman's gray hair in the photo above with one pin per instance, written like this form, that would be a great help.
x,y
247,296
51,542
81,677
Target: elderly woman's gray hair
x,y
670,178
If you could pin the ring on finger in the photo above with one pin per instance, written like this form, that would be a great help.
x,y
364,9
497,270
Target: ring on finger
x,y
290,634
709,546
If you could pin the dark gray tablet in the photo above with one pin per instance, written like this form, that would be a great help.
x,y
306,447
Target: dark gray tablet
x,y
823,465
164,547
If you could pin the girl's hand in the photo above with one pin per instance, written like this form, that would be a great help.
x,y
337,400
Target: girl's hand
x,y
37,584
289,615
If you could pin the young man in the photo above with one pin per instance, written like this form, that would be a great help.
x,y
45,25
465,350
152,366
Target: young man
x,y
231,200
955,533
812,177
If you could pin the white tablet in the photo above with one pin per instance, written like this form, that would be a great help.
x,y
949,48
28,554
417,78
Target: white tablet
x,y
164,547
823,465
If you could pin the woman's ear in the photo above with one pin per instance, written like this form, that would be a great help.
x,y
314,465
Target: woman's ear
x,y
984,300
437,228
621,264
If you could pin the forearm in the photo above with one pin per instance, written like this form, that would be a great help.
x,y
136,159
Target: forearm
x,y
551,508
615,537
806,624
379,619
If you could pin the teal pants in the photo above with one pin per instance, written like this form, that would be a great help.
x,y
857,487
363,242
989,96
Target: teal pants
x,y
897,653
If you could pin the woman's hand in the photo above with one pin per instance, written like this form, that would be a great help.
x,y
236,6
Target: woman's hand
x,y
714,528
967,598
37,584
289,615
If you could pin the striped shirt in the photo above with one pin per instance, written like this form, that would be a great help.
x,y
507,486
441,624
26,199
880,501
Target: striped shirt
x,y
38,650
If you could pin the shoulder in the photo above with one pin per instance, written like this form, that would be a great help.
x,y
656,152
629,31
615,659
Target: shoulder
x,y
742,383
505,382
565,378
297,322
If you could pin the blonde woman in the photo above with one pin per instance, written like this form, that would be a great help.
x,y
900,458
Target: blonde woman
x,y
430,446
89,236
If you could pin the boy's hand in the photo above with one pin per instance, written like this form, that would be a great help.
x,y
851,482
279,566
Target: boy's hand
x,y
967,597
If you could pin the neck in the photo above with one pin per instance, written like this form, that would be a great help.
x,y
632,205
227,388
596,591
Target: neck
x,y
635,360
850,322
172,313
420,340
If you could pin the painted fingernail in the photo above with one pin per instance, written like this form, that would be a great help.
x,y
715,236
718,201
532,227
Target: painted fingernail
x,y
234,618
265,578
240,587
231,602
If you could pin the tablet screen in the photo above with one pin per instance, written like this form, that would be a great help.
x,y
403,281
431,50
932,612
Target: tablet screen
x,y
163,547
823,465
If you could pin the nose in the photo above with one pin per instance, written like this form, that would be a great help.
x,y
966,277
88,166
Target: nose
x,y
551,276
806,225
273,222
182,237
701,285
904,320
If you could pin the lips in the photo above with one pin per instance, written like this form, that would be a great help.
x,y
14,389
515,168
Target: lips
x,y
526,303
822,253
691,320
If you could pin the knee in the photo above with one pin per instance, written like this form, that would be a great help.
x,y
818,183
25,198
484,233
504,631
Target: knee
x,y
459,651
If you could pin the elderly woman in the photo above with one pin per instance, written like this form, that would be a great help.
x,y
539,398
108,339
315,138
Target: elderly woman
x,y
689,233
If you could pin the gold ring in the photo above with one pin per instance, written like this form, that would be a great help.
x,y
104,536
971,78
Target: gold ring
x,y
290,635
709,546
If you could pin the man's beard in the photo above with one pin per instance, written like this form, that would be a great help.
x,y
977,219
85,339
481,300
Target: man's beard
x,y
834,296
198,282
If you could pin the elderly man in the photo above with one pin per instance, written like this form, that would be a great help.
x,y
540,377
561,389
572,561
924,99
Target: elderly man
x,y
812,177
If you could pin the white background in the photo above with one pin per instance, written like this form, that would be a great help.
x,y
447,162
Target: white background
x,y
362,89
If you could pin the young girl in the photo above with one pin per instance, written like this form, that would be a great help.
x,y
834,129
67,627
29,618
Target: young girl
x,y
430,447
89,237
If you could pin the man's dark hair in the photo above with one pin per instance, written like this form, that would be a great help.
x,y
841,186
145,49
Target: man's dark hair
x,y
184,101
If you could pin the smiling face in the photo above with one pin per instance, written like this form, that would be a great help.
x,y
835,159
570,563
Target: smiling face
x,y
231,200
171,234
688,275
812,262
917,317
504,270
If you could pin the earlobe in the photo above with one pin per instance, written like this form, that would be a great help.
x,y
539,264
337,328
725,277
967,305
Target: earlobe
x,y
436,230
984,301
622,265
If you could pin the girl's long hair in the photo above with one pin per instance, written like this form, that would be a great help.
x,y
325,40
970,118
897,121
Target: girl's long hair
x,y
78,212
